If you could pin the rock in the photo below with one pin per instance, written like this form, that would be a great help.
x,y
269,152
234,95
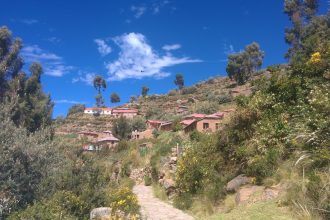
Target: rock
x,y
253,193
234,184
169,186
100,213
173,159
249,194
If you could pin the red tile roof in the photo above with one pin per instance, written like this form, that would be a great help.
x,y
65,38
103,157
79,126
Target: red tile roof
x,y
217,115
187,122
196,115
103,109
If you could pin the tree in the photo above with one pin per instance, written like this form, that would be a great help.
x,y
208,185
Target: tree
x,y
179,81
300,13
10,61
133,99
99,101
99,83
26,159
241,65
145,91
138,124
77,108
121,128
114,98
32,108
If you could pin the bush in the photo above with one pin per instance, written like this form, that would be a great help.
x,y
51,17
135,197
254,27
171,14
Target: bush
x,y
188,90
138,124
147,181
77,108
207,107
183,201
224,99
123,199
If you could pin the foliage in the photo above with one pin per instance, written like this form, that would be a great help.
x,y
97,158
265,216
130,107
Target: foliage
x,y
77,108
200,170
144,91
99,83
138,124
188,90
114,97
300,13
123,199
224,99
10,61
179,81
121,128
25,161
207,107
241,65
147,181
63,205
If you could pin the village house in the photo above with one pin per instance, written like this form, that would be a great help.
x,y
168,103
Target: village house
x,y
101,111
95,141
202,122
125,112
138,135
159,125
107,139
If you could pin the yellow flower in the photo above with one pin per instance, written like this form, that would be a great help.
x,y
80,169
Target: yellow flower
x,y
315,58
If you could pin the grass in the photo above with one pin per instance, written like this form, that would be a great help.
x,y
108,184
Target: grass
x,y
257,211
159,192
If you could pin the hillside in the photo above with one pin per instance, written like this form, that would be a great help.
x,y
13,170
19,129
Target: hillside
x,y
209,96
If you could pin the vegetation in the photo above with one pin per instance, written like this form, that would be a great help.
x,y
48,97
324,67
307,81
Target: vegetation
x,y
99,84
114,97
77,108
179,81
144,91
241,65
286,119
280,135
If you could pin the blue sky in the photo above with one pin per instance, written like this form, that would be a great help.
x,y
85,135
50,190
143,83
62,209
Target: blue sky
x,y
135,43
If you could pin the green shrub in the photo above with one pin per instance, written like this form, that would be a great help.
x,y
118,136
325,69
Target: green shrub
x,y
188,90
147,180
224,99
123,199
183,201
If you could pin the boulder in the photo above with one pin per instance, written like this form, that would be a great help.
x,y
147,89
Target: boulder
x,y
253,193
100,213
169,186
234,184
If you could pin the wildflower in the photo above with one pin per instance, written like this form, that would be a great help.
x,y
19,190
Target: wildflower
x,y
315,58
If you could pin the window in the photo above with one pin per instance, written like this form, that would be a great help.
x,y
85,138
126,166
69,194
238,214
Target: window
x,y
217,126
205,126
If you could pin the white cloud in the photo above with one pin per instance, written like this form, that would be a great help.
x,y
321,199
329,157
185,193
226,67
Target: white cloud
x,y
158,5
29,21
54,40
169,47
65,101
137,59
53,64
86,78
138,10
228,49
102,47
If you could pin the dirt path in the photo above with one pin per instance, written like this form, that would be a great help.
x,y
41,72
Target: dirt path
x,y
155,209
